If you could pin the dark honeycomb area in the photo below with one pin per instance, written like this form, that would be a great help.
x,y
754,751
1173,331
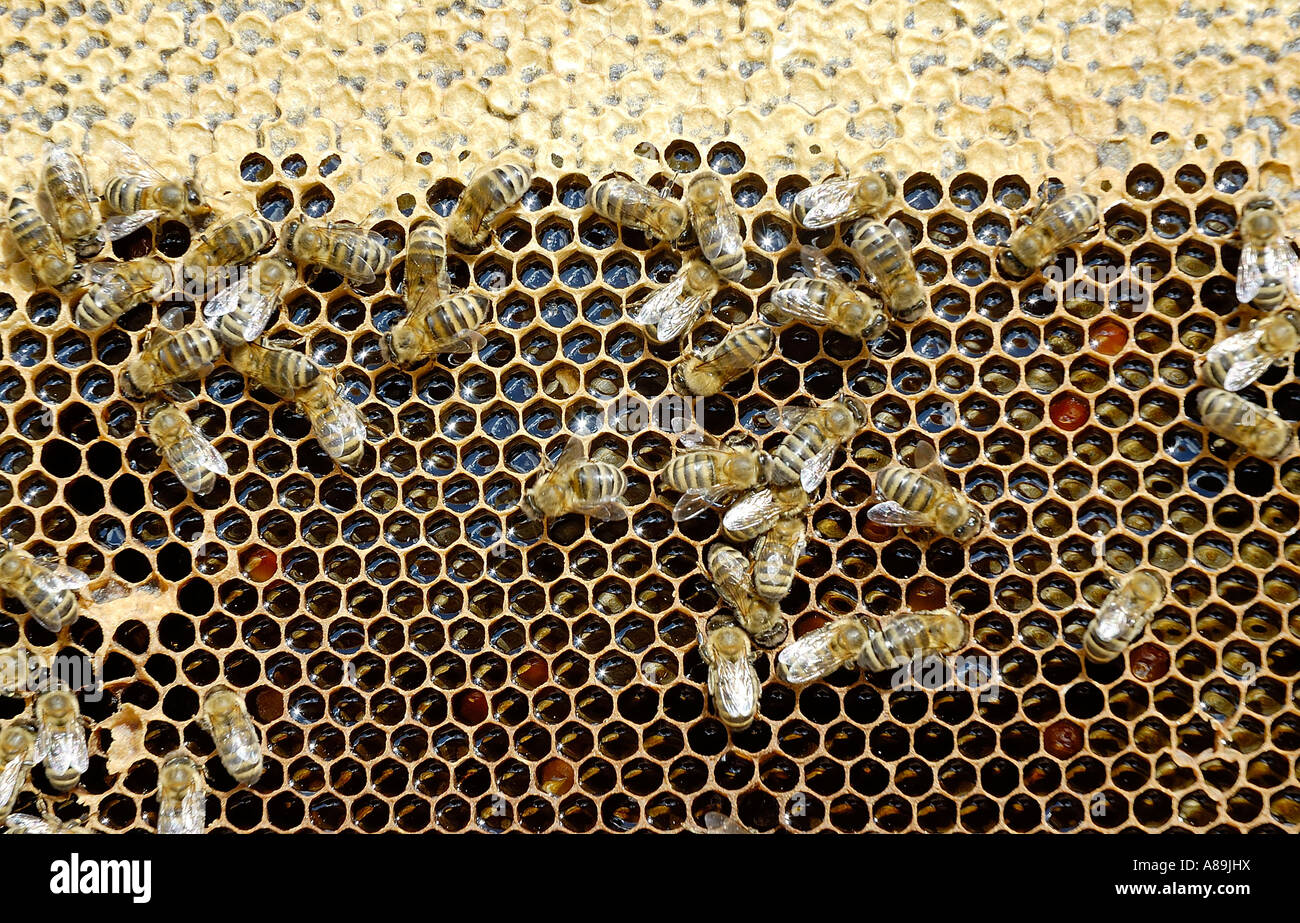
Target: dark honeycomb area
x,y
410,672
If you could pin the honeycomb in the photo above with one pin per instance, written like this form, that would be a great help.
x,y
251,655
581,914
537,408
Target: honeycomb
x,y
409,672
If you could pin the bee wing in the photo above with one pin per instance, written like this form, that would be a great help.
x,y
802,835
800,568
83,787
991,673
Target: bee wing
x,y
696,439
889,513
815,471
27,823
926,460
572,454
118,226
793,300
817,264
1280,263
737,688
714,822
65,750
467,341
1250,276
60,577
649,311
793,416
207,456
698,500
754,510
124,161
609,510
776,557
226,300
901,234
173,319
825,203
358,234
679,315
1243,373
12,777
344,425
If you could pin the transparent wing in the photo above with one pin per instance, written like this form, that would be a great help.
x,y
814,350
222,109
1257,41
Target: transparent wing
x,y
815,471
28,823
679,315
467,341
755,510
1280,263
901,234
173,319
649,311
889,513
1248,364
124,161
608,511
572,454
118,226
64,751
926,460
791,417
226,300
809,658
826,203
699,500
358,235
720,823
1250,276
12,777
60,577
817,264
695,439
776,557
737,689
343,426
794,298
206,455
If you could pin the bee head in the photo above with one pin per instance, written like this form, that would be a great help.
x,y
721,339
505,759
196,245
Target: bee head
x,y
959,522
220,701
11,566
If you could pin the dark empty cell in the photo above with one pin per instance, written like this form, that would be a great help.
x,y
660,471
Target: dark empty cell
x,y
255,169
275,203
85,495
180,703
294,165
134,245
175,561
173,239
317,202
196,597
126,492
60,458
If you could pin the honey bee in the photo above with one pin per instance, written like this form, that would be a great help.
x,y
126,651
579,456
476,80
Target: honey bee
x,y
822,651
1242,358
824,299
137,195
194,460
730,572
490,192
426,275
1124,615
776,554
48,822
282,371
842,199
226,718
347,249
670,310
922,497
911,635
67,187
17,756
1056,223
118,287
707,371
575,485
182,795
239,313
733,681
47,589
169,355
717,225
1258,431
51,262
61,738
445,326
707,475
1269,267
635,205
759,510
885,252
814,433
231,242
335,421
